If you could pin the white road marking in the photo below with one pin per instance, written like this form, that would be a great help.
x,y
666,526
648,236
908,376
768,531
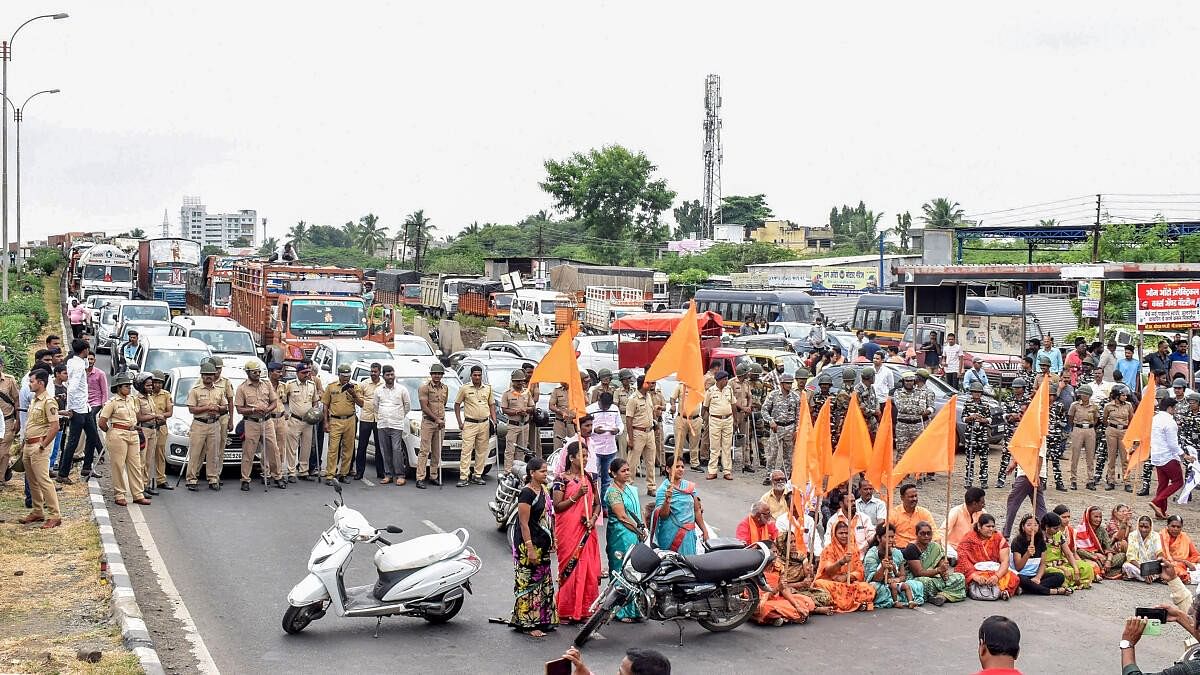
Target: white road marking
x,y
432,526
199,650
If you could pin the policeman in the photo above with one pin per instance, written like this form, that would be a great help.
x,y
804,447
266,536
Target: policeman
x,y
621,398
119,420
226,386
976,416
9,395
800,378
1014,410
156,402
299,397
759,388
718,412
339,401
660,406
1101,402
639,420
476,428
1082,418
911,413
781,408
256,400
1117,415
432,396
823,394
605,377
841,403
1189,421
518,406
688,425
564,415
41,427
280,416
1056,437
207,404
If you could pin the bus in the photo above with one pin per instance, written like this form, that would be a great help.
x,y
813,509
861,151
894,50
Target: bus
x,y
990,329
882,315
734,305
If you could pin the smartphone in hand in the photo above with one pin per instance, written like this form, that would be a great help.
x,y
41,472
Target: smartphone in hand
x,y
558,667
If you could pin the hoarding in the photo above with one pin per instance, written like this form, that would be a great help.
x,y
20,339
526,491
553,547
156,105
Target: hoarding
x,y
844,279
1089,298
1168,305
174,252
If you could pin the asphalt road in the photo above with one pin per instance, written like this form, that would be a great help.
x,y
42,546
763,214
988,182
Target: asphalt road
x,y
234,555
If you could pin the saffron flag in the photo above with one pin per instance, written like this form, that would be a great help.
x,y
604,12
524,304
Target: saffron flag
x,y
880,471
1139,431
854,446
933,451
560,366
820,448
804,429
680,356
1030,434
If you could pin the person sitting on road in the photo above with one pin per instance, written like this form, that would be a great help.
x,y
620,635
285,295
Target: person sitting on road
x,y
983,558
842,575
893,582
1144,545
758,526
1178,549
962,518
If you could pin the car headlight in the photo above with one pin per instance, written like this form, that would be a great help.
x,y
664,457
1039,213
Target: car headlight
x,y
414,427
177,427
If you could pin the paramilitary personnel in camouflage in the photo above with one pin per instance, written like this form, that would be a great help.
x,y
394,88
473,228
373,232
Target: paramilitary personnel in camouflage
x,y
823,394
759,389
867,401
977,417
841,403
1056,437
1014,410
912,412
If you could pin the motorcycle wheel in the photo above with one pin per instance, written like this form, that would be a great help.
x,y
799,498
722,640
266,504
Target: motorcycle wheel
x,y
605,610
744,593
1190,654
443,617
296,619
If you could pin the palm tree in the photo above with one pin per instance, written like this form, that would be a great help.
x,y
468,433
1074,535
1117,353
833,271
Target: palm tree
x,y
473,228
863,228
137,233
418,229
1048,222
368,235
269,246
299,234
942,214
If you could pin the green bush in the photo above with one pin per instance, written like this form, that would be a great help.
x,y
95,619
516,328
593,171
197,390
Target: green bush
x,y
26,305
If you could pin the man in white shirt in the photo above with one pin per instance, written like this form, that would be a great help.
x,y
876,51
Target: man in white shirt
x,y
885,381
869,505
1165,455
392,403
1022,489
79,413
606,426
952,360
1108,360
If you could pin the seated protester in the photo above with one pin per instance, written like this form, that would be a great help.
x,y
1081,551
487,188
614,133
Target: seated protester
x,y
841,573
928,564
1095,546
888,575
1144,545
908,515
1119,525
813,541
1060,552
1178,549
962,518
777,497
798,573
983,558
785,604
758,526
864,531
1028,550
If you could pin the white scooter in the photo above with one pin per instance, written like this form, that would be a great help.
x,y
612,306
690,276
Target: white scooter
x,y
423,577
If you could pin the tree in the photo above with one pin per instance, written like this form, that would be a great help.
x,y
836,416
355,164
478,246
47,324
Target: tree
x,y
749,211
269,247
137,233
854,229
418,230
370,237
1048,222
212,250
942,214
350,230
610,190
689,217
242,241
471,229
299,234
903,226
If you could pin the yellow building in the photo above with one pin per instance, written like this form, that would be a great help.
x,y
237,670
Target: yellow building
x,y
798,238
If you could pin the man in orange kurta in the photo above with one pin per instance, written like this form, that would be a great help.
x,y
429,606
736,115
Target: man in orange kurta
x,y
908,515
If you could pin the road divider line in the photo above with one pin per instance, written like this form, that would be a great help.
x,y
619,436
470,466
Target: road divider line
x,y
430,524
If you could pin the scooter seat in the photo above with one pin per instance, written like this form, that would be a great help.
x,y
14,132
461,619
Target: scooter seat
x,y
418,552
724,565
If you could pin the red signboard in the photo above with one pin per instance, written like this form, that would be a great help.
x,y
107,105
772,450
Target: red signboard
x,y
1168,306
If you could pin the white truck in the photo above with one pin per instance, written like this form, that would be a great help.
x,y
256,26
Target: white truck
x,y
106,270
604,304
439,293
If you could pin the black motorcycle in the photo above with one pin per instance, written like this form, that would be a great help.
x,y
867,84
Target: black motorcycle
x,y
719,589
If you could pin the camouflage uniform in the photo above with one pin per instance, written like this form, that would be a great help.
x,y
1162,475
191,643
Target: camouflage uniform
x,y
782,409
911,411
817,402
1101,439
759,390
1014,409
1056,440
977,439
1189,433
869,404
840,406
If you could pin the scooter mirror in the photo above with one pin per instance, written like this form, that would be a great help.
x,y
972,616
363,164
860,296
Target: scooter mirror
x,y
392,529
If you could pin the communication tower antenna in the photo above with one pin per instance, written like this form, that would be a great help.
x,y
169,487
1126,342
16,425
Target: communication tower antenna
x,y
712,155
166,226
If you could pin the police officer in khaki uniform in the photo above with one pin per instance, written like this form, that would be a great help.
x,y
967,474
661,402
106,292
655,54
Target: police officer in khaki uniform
x,y
339,400
476,397
1082,418
688,424
41,426
605,384
206,438
564,416
155,430
280,416
256,400
226,386
719,404
621,397
119,419
518,406
299,397
9,395
660,407
432,397
639,420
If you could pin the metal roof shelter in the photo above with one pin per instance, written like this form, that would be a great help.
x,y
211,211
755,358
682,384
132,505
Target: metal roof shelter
x,y
1055,234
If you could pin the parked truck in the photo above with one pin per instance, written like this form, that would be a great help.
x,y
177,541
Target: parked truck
x,y
439,293
162,266
105,270
289,308
210,286
640,337
604,304
484,298
389,285
574,278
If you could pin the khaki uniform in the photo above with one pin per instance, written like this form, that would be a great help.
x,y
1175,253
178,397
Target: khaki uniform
x,y
339,406
719,404
298,398
1117,417
156,454
639,421
434,397
1084,418
621,397
280,416
660,406
741,420
518,405
564,423
121,440
42,415
10,394
224,384
594,395
207,436
259,428
476,428
688,424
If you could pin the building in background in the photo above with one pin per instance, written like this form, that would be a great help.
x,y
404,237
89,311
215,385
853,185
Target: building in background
x,y
798,238
227,230
841,275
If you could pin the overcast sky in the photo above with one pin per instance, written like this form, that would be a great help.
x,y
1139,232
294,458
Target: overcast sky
x,y
306,110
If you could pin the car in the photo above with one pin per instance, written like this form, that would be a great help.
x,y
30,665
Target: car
x,y
414,349
770,358
226,338
498,373
456,358
179,382
411,376
106,324
330,354
142,310
144,330
794,332
94,304
164,352
597,352
525,349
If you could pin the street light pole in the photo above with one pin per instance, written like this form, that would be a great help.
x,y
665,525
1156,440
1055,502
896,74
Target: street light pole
x,y
18,116
5,57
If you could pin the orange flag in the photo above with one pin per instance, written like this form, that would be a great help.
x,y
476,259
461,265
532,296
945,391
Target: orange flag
x,y
680,356
880,470
804,428
933,451
1139,430
559,365
854,446
820,448
1030,434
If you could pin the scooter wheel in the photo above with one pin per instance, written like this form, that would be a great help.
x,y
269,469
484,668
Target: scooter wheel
x,y
443,617
296,619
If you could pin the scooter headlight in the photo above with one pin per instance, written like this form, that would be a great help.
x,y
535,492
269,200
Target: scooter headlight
x,y
348,532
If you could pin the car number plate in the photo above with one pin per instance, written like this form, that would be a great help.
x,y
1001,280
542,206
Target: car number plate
x,y
454,445
546,433
233,456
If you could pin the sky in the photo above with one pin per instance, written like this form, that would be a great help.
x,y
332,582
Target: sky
x,y
324,111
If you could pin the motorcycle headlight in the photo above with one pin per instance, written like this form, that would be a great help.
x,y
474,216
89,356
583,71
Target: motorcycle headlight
x,y
630,574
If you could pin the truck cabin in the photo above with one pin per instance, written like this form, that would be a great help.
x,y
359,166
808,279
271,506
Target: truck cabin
x,y
640,337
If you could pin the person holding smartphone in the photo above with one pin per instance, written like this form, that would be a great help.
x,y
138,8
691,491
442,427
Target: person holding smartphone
x,y
1135,628
636,662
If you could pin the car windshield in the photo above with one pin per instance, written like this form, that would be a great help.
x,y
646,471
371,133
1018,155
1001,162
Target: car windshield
x,y
166,359
412,348
413,383
791,332
226,341
351,357
328,314
547,307
800,313
221,292
535,351
105,273
602,346
499,378
146,313
108,317
144,329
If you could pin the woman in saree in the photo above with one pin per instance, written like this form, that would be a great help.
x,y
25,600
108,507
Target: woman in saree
x,y
797,573
1094,545
1178,549
677,512
983,557
532,541
927,563
842,575
1144,545
1119,525
625,528
886,572
784,604
1060,552
1029,550
576,511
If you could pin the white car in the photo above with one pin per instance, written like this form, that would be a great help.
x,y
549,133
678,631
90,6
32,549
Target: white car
x,y
412,376
597,352
524,349
164,352
96,303
414,349
142,310
144,330
105,326
224,336
179,382
330,354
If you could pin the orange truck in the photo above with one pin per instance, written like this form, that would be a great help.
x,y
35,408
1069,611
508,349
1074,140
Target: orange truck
x,y
290,308
484,299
